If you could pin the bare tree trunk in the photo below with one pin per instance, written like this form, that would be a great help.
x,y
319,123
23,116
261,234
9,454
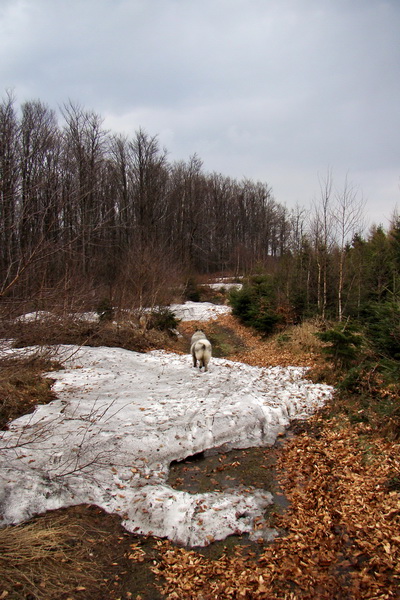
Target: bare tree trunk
x,y
348,217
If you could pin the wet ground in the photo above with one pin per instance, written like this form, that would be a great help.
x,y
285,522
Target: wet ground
x,y
217,470
119,564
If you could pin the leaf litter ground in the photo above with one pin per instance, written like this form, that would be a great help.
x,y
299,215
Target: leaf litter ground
x,y
340,535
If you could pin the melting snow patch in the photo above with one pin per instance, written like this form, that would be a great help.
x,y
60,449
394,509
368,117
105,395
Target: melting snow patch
x,y
224,286
199,311
122,417
39,315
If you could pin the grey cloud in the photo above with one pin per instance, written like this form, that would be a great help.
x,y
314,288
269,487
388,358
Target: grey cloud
x,y
258,88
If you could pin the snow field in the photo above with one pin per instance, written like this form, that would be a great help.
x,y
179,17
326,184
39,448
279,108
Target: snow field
x,y
122,417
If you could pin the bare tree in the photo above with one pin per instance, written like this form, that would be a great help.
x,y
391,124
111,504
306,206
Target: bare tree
x,y
149,175
321,231
348,219
9,172
77,204
84,155
189,204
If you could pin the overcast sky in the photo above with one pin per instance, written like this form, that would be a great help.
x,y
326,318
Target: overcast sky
x,y
273,90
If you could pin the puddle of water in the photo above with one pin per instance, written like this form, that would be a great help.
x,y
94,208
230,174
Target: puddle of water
x,y
217,470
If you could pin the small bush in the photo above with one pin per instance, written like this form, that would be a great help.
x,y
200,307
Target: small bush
x,y
163,319
344,344
383,327
283,338
192,291
265,320
244,304
105,310
254,305
353,380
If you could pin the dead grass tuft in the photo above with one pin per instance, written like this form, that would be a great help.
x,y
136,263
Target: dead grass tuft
x,y
22,385
44,559
300,338
54,332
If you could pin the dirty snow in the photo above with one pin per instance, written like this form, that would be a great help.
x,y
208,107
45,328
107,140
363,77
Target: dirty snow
x,y
121,418
224,286
189,311
39,315
199,311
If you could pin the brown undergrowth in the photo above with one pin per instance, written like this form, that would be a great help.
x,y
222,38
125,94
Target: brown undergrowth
x,y
342,528
22,386
54,332
297,346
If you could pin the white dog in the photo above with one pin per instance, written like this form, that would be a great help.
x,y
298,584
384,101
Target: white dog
x,y
200,349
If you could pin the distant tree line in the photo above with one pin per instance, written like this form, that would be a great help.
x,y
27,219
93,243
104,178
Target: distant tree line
x,y
79,204
331,267
363,273
357,310
87,213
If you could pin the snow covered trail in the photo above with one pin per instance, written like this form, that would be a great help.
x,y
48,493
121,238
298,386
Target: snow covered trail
x,y
120,419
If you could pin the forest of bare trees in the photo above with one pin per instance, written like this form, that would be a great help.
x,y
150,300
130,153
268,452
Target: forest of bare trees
x,y
81,206
90,214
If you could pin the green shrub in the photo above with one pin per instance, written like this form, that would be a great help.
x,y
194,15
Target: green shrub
x,y
383,327
283,338
345,343
192,291
354,379
244,304
254,304
265,320
163,319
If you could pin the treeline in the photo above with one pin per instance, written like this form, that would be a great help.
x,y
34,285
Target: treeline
x,y
354,291
342,280
359,281
87,214
84,208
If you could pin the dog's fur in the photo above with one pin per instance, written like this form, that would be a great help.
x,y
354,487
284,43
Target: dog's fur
x,y
198,335
200,349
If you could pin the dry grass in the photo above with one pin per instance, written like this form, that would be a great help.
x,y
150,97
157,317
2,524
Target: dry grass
x,y
68,330
44,559
296,346
300,338
22,386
